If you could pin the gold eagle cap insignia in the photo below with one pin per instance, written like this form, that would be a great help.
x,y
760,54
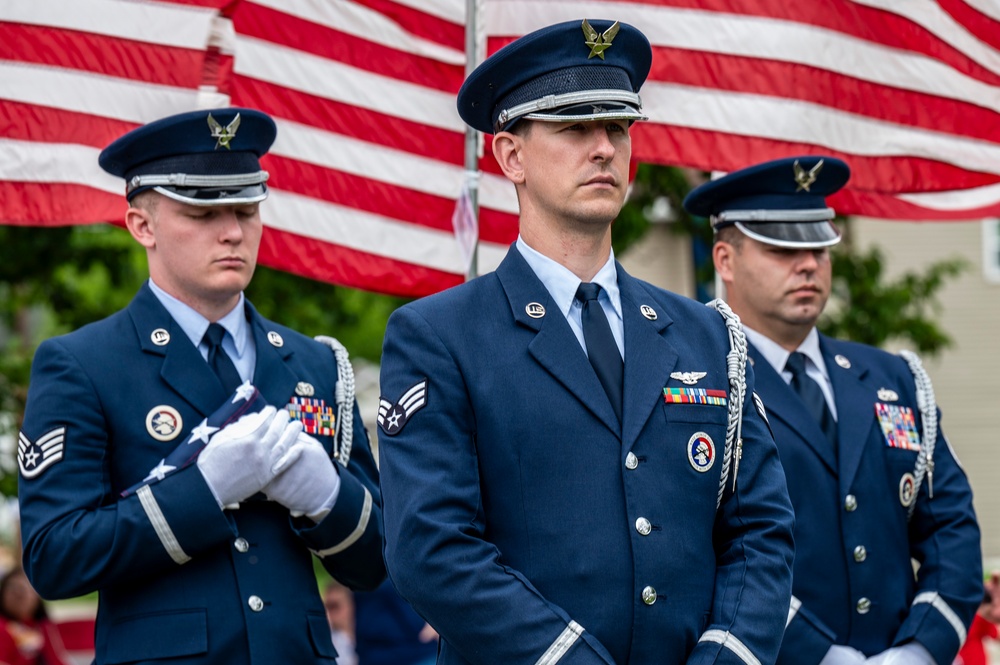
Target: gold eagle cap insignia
x,y
599,42
804,178
223,135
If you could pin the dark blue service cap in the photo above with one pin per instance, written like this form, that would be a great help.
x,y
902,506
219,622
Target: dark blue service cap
x,y
568,72
208,157
781,202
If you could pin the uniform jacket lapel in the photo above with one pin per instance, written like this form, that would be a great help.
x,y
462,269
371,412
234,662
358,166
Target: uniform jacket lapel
x,y
855,410
644,340
783,403
184,370
272,376
554,345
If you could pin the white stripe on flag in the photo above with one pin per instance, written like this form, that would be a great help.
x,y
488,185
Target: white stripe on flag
x,y
336,81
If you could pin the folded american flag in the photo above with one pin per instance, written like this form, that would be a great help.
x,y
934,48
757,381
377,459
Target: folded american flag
x,y
246,399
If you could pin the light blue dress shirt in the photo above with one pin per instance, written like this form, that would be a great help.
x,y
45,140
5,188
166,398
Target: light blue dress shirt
x,y
777,356
238,342
562,284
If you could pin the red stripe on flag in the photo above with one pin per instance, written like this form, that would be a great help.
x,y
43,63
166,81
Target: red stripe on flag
x,y
709,150
347,120
30,122
101,54
58,204
328,262
794,81
425,25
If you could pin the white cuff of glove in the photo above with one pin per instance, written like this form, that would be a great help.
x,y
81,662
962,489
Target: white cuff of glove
x,y
842,655
310,485
911,653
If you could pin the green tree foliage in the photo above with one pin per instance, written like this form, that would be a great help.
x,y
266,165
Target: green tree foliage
x,y
869,308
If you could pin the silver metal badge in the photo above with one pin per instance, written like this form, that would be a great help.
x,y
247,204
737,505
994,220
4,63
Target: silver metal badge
x,y
842,361
701,452
275,339
887,395
648,312
304,389
688,378
164,422
160,337
906,486
535,310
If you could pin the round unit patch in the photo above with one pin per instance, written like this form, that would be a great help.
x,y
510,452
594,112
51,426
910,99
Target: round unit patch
x,y
906,486
164,423
701,452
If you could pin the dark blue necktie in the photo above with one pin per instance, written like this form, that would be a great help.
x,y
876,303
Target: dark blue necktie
x,y
601,346
219,360
812,395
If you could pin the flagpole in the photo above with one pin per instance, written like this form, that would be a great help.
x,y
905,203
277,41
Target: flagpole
x,y
472,139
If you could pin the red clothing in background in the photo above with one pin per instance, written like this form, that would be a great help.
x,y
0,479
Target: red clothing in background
x,y
973,652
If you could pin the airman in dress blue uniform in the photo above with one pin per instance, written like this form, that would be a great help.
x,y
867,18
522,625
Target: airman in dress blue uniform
x,y
209,562
872,478
561,475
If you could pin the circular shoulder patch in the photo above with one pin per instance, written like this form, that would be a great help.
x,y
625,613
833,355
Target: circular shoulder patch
x,y
907,484
164,423
701,452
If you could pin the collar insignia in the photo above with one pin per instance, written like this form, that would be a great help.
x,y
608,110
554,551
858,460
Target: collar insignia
x,y
804,178
223,135
599,42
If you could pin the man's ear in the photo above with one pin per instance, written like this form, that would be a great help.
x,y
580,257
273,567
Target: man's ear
x,y
722,256
507,151
140,224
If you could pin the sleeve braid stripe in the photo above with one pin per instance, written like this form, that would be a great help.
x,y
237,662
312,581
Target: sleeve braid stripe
x,y
359,530
730,641
938,603
558,649
159,522
793,609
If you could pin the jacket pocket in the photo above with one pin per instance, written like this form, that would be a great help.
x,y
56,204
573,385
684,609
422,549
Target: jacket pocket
x,y
158,635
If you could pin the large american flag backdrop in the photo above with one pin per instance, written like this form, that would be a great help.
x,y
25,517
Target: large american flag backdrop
x,y
368,166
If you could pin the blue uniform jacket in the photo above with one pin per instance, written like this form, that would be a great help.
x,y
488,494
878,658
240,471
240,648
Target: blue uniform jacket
x,y
854,581
527,526
178,577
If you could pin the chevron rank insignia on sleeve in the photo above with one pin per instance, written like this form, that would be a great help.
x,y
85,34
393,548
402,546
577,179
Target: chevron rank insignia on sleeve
x,y
33,457
392,417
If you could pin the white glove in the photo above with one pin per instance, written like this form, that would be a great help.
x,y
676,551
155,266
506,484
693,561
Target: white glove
x,y
842,655
911,653
241,458
308,486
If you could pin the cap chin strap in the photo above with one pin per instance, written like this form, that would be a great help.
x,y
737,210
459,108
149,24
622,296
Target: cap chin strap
x,y
189,180
762,215
790,244
550,102
204,203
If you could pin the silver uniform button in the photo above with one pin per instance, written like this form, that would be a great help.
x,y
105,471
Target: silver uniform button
x,y
850,503
255,603
643,526
631,461
864,605
860,553
241,545
649,595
